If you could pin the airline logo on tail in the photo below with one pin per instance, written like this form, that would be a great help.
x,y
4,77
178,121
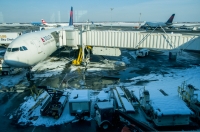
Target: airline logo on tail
x,y
170,20
71,17
44,22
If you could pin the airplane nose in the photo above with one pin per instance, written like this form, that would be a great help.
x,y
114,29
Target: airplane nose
x,y
10,60
13,61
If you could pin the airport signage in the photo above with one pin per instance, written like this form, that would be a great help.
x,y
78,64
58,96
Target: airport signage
x,y
7,38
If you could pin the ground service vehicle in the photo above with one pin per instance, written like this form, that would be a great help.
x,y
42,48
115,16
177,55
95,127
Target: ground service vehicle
x,y
7,37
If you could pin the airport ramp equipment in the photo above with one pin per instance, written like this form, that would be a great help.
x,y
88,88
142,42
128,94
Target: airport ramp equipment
x,y
123,101
142,126
79,102
55,102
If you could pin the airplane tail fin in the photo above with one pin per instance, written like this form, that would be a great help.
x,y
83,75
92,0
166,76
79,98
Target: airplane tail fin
x,y
44,22
170,20
71,17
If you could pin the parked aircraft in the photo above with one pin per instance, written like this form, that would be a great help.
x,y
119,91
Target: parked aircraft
x,y
66,24
29,49
185,25
36,23
123,24
49,24
159,24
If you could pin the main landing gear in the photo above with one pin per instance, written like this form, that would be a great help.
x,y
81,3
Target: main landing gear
x,y
29,74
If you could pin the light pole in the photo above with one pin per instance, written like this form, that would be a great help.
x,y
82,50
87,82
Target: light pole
x,y
111,16
139,20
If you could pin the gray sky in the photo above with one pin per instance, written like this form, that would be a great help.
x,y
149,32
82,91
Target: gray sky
x,y
99,10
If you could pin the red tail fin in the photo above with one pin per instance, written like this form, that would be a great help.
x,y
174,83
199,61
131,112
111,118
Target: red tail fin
x,y
44,22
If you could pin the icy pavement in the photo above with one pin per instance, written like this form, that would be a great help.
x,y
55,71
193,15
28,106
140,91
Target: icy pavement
x,y
169,83
34,117
50,67
167,80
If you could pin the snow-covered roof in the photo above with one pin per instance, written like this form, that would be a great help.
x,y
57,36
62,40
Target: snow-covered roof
x,y
79,96
127,105
103,96
119,90
170,105
117,98
63,98
105,105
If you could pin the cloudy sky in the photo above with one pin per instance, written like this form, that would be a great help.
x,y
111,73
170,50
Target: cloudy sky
x,y
99,10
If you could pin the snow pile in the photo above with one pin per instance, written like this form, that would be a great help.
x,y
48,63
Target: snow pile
x,y
34,117
12,80
49,68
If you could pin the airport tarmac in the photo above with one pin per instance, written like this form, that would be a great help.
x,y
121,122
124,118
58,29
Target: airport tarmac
x,y
156,62
23,29
26,29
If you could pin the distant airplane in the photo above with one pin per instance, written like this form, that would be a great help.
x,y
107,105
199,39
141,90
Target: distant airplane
x,y
159,24
123,24
36,23
185,25
31,48
59,24
49,24
65,24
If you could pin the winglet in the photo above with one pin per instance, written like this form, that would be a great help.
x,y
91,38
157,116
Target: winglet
x,y
170,20
71,17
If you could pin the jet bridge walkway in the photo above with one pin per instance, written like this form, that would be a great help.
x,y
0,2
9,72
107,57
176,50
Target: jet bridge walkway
x,y
128,39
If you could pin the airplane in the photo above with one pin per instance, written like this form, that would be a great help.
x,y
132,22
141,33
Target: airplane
x,y
65,24
122,24
36,23
29,49
185,25
152,25
49,24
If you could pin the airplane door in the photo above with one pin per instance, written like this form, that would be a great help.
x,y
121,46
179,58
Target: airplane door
x,y
56,38
38,45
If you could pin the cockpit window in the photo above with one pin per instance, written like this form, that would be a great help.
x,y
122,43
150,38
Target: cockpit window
x,y
24,48
9,49
15,49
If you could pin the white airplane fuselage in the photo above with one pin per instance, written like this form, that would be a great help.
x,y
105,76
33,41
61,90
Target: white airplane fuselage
x,y
32,48
178,25
156,24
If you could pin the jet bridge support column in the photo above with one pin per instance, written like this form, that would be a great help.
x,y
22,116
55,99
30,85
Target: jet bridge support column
x,y
83,46
82,59
172,53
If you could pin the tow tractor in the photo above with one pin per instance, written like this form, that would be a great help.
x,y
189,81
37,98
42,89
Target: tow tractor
x,y
7,70
107,116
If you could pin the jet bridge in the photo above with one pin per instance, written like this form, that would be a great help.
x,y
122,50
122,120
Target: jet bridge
x,y
108,43
128,39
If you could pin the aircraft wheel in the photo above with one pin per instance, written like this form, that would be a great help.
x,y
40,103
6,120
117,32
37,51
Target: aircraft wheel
x,y
105,126
2,73
5,73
